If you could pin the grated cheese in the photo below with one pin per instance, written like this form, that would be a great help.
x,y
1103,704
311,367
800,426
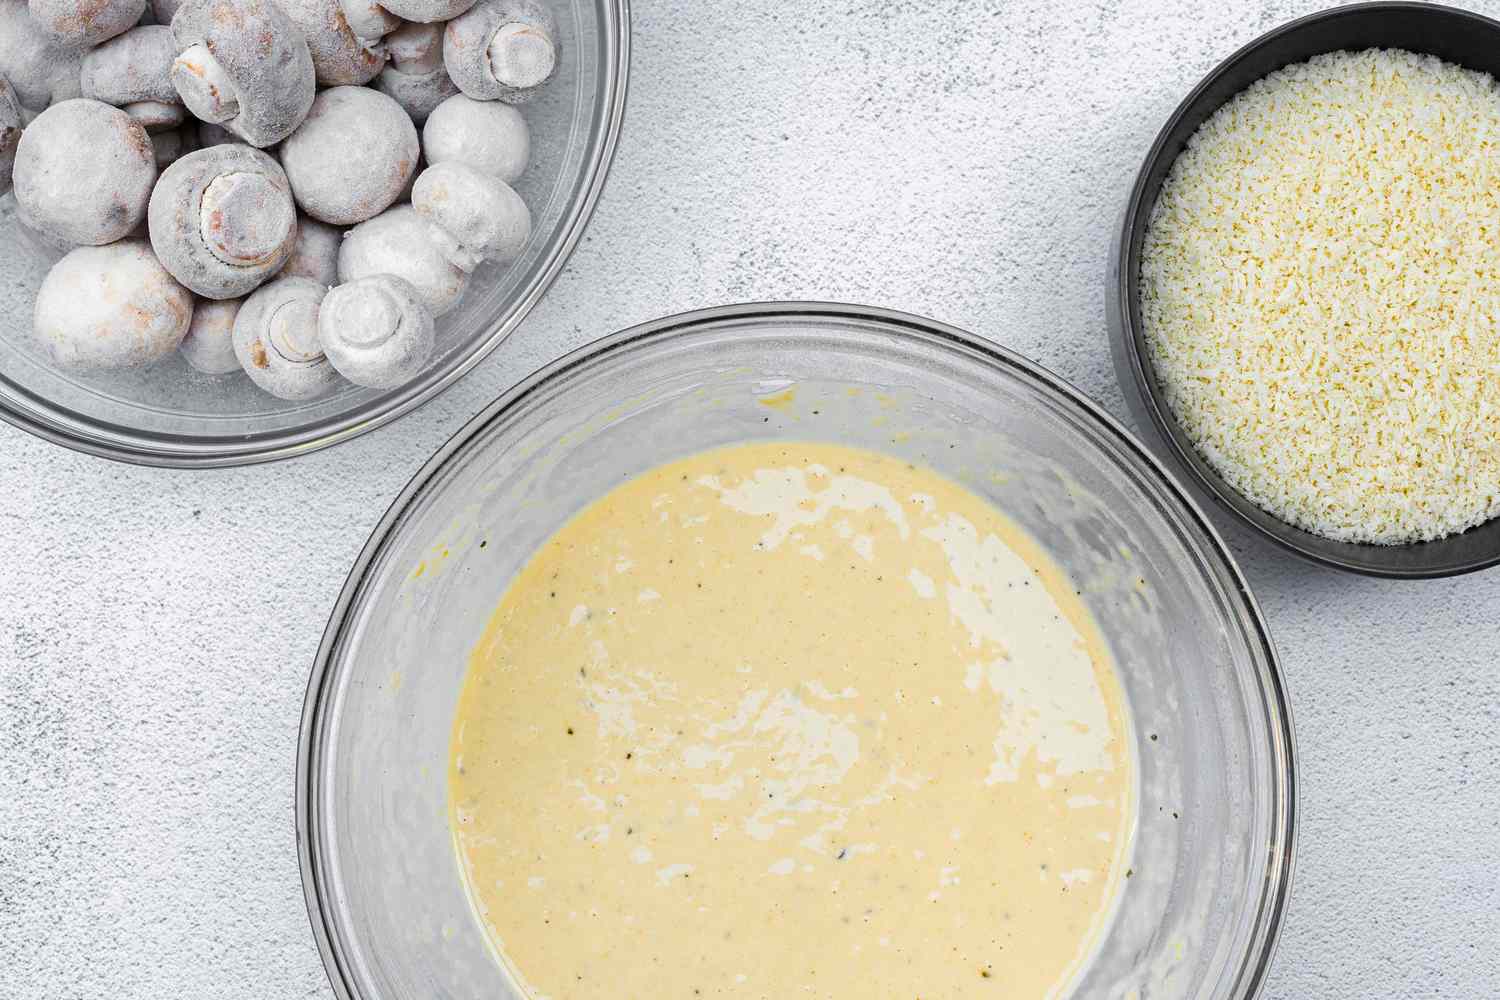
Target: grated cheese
x,y
1319,289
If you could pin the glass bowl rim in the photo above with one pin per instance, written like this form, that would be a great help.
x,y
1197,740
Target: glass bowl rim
x,y
1279,732
1137,373
32,412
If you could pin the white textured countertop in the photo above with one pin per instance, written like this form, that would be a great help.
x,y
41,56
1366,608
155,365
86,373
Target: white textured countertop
x,y
958,159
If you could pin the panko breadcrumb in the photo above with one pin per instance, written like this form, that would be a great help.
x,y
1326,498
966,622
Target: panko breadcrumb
x,y
1319,286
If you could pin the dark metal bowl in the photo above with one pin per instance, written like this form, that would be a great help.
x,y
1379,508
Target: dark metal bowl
x,y
1454,35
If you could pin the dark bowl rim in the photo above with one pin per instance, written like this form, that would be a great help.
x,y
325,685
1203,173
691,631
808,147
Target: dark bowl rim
x,y
1141,384
33,413
1270,916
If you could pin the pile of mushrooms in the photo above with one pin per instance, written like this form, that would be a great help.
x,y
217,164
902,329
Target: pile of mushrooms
x,y
243,181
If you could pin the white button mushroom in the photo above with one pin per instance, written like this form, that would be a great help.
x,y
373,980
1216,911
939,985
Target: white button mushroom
x,y
79,24
222,220
399,241
134,71
352,156
276,339
415,77
110,307
340,57
84,172
487,135
376,331
41,71
10,132
475,217
315,255
209,343
502,49
243,64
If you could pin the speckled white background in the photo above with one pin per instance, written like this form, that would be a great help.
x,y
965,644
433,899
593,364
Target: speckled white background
x,y
958,159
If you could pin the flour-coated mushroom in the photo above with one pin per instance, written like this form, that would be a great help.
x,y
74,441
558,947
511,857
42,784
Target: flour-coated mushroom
x,y
399,241
376,331
135,66
488,135
10,132
243,64
110,307
340,57
133,72
222,220
415,76
475,217
351,157
315,255
84,172
276,339
79,24
209,343
41,71
502,49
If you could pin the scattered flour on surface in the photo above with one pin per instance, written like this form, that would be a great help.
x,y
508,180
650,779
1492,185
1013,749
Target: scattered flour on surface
x,y
1319,285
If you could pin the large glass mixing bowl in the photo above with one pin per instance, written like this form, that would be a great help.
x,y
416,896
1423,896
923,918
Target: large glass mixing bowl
x,y
169,414
1213,847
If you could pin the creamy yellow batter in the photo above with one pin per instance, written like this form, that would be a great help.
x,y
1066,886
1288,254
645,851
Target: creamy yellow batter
x,y
791,720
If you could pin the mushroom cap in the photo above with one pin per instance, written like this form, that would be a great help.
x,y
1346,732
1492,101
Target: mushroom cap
x,y
427,11
222,220
488,135
11,124
276,339
41,71
209,343
110,307
377,331
399,241
135,66
352,157
502,49
315,255
339,56
253,47
483,215
78,24
84,172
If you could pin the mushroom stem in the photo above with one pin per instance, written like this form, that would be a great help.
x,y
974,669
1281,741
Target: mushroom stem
x,y
267,218
521,56
206,89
